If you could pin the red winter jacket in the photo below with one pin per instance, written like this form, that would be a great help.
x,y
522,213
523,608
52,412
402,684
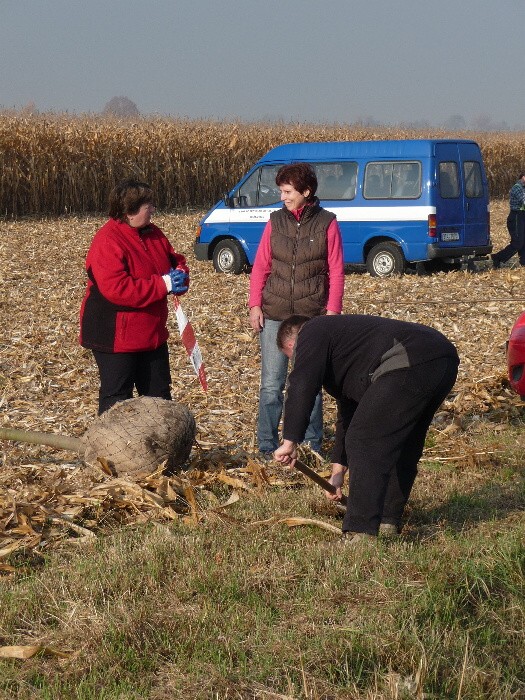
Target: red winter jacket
x,y
125,306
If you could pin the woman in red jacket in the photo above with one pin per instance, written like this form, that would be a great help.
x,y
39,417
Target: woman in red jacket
x,y
131,268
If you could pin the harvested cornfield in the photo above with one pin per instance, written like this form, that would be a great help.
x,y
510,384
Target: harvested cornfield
x,y
61,164
48,383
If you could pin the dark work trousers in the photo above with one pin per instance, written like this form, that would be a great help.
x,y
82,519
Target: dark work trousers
x,y
516,229
385,439
119,372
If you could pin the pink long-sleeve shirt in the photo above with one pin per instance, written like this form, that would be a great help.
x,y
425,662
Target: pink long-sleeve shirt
x,y
262,266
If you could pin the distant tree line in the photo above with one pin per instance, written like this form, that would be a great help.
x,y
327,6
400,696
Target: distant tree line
x,y
124,108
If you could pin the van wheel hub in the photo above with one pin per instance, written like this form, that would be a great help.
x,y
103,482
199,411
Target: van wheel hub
x,y
383,264
385,259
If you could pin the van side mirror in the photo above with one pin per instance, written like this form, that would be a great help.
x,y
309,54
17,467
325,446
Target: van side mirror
x,y
235,202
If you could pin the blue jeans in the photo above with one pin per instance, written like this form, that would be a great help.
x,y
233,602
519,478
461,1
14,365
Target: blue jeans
x,y
274,367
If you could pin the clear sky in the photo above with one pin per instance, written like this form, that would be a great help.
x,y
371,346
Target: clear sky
x,y
330,61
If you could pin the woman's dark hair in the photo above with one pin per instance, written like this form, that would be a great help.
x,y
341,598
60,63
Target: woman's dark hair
x,y
289,328
127,197
301,176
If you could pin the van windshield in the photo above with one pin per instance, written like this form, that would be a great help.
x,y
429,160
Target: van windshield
x,y
259,190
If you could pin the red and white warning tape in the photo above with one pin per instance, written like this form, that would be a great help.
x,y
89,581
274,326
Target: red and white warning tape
x,y
190,343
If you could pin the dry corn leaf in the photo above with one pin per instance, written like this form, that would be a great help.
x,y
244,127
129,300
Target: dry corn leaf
x,y
231,500
67,521
166,491
19,652
296,522
27,652
258,472
106,466
231,481
7,568
10,548
189,495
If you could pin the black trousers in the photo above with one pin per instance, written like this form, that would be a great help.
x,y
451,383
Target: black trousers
x,y
120,372
385,439
516,229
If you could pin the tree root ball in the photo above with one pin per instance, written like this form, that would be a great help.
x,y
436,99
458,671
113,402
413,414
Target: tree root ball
x,y
139,434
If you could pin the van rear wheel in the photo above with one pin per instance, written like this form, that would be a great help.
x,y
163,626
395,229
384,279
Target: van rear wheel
x,y
229,257
385,259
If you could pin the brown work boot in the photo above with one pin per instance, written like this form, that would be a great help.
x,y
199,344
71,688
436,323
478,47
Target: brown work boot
x,y
350,539
388,531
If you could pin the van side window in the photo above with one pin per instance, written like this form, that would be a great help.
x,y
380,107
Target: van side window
x,y
336,180
448,179
378,177
406,180
392,180
473,180
259,190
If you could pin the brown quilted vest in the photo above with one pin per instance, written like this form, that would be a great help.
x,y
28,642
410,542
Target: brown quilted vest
x,y
298,281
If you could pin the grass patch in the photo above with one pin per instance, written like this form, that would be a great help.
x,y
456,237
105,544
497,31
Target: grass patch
x,y
239,611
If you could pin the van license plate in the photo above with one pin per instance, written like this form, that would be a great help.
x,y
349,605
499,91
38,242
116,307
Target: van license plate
x,y
450,236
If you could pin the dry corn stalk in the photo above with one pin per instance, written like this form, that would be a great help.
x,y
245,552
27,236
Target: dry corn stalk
x,y
187,162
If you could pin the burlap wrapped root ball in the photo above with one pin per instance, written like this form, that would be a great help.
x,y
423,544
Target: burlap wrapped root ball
x,y
139,434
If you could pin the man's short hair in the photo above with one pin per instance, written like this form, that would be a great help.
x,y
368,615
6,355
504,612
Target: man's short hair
x,y
289,328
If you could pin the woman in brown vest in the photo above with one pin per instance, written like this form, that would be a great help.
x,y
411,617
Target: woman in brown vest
x,y
298,269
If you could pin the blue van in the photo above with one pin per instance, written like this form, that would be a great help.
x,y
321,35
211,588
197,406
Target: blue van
x,y
398,203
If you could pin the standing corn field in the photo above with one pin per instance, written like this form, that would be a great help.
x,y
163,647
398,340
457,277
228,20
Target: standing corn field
x,y
58,164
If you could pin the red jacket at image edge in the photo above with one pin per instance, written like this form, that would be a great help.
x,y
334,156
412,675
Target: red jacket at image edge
x,y
125,306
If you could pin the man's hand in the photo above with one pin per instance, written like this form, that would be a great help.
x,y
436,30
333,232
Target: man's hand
x,y
336,479
256,318
286,453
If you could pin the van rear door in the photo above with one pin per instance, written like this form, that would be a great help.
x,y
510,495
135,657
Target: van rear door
x,y
475,193
461,196
450,205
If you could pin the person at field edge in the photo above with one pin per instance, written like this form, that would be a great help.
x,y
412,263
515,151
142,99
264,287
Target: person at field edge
x,y
131,268
515,226
298,268
389,378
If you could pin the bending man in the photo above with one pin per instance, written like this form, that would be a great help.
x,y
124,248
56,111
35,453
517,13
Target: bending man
x,y
389,378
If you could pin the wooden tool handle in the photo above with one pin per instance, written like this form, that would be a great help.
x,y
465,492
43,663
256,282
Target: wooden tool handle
x,y
59,442
319,480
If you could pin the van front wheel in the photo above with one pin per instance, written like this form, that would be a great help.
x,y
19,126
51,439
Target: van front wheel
x,y
229,257
385,259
